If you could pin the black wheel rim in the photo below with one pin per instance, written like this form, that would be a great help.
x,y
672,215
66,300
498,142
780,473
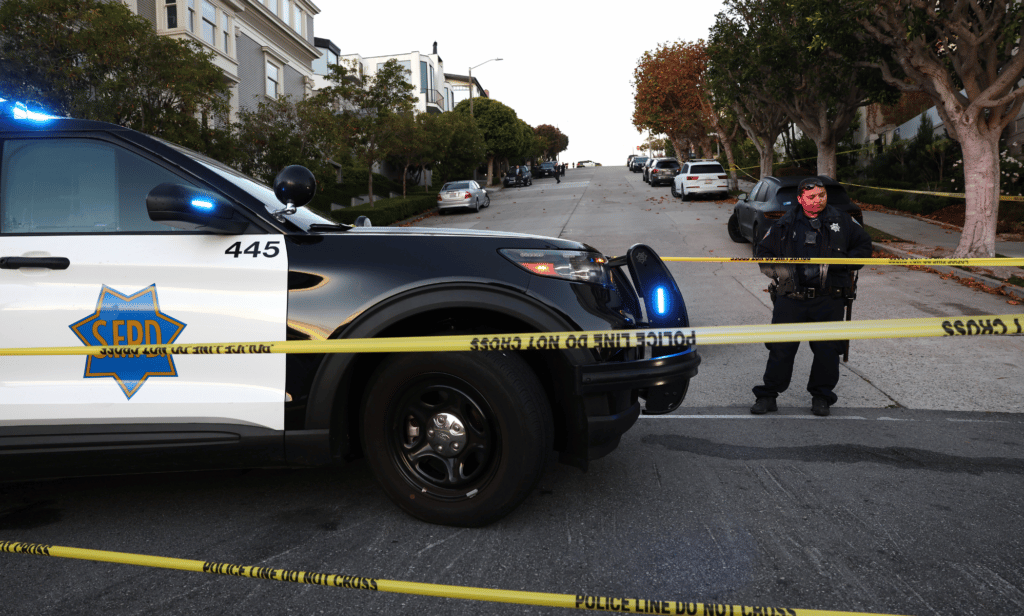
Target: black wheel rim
x,y
426,419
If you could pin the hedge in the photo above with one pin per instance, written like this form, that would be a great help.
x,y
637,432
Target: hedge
x,y
384,212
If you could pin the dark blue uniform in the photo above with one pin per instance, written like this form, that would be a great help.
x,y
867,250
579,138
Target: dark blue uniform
x,y
818,295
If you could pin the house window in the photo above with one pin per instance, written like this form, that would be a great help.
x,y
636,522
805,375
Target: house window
x,y
423,76
191,23
272,5
286,10
226,31
296,19
273,80
209,23
172,14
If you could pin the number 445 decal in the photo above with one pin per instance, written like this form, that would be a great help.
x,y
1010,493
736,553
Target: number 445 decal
x,y
269,250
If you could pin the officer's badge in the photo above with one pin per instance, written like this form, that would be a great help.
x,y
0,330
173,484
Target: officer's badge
x,y
835,227
128,319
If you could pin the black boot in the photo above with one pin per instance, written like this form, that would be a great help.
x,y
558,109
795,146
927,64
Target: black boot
x,y
764,405
819,406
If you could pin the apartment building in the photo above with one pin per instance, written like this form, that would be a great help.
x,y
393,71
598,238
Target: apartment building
x,y
264,47
425,72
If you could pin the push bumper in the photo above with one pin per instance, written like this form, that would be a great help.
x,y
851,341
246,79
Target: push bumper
x,y
610,390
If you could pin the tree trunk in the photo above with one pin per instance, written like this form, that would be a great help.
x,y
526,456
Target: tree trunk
x,y
681,147
827,154
981,183
490,170
370,185
727,146
405,173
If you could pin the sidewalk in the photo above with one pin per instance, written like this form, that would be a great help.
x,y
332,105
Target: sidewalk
x,y
926,238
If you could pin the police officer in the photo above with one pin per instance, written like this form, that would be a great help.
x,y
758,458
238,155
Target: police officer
x,y
808,293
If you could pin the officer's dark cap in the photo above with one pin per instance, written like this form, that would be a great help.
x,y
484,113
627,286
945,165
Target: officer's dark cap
x,y
808,184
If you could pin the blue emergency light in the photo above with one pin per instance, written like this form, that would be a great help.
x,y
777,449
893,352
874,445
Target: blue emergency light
x,y
203,204
19,111
660,300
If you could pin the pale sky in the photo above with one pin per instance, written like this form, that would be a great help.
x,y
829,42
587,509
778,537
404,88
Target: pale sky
x,y
568,64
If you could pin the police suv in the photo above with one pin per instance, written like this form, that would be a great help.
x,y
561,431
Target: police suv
x,y
109,237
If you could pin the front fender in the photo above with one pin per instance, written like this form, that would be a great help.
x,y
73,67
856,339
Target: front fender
x,y
331,387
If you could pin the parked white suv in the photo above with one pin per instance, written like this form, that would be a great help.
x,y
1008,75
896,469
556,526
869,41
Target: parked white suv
x,y
700,177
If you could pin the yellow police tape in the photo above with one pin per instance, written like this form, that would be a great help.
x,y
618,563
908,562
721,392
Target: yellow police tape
x,y
974,261
988,325
937,194
521,597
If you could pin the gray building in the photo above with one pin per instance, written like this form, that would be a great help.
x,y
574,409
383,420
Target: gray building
x,y
265,47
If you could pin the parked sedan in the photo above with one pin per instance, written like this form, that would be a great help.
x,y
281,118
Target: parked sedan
x,y
545,170
464,193
637,164
772,197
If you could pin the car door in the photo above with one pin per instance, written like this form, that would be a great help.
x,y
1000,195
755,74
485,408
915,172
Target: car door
x,y
746,211
127,280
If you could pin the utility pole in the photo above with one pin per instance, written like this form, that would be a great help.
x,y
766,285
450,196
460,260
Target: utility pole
x,y
471,103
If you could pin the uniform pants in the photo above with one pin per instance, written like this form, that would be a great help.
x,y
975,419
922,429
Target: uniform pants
x,y
824,368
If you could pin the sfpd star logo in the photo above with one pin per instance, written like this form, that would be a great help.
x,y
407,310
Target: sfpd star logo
x,y
128,319
835,227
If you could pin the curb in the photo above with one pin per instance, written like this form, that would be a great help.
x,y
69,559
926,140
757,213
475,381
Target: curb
x,y
1014,292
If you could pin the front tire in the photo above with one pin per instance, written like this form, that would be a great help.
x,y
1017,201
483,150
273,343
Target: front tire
x,y
734,230
456,438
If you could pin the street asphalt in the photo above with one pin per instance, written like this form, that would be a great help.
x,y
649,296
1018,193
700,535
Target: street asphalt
x,y
906,500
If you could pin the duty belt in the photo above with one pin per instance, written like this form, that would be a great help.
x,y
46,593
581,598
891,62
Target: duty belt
x,y
813,292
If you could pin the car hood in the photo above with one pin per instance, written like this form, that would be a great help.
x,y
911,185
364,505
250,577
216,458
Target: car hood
x,y
532,240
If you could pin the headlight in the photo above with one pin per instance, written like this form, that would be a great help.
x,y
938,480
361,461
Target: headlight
x,y
572,265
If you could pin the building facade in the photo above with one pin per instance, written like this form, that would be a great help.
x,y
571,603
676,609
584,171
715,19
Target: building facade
x,y
424,71
264,47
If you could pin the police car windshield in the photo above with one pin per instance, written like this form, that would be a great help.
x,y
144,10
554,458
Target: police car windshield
x,y
303,217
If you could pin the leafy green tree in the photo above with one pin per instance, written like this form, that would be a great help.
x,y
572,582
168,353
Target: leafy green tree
x,y
820,87
503,134
93,59
414,145
371,109
532,149
282,132
964,54
458,145
734,82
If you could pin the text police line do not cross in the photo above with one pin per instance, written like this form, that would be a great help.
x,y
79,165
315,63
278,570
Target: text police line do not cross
x,y
989,325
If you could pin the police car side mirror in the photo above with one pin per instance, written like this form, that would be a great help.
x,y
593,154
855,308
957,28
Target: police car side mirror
x,y
295,186
362,221
192,209
742,197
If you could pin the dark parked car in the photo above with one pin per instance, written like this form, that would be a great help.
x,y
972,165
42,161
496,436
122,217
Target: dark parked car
x,y
637,164
663,171
545,170
110,237
512,179
772,197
